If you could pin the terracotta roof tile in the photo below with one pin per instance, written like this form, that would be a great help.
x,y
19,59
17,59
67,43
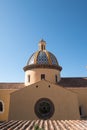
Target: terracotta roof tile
x,y
73,82
11,85
44,125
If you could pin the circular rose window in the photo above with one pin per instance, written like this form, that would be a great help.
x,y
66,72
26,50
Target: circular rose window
x,y
44,108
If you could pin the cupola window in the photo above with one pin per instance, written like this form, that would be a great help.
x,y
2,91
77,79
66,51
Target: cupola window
x,y
56,78
28,78
42,76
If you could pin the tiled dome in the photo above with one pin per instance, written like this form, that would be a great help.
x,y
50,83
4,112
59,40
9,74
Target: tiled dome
x,y
42,56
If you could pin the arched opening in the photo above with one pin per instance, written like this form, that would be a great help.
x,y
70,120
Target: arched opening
x,y
81,111
1,106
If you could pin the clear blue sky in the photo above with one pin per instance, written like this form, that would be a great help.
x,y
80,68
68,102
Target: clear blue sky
x,y
61,23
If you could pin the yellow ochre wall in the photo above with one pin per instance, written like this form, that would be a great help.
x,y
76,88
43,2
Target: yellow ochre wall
x,y
23,101
5,98
58,95
82,98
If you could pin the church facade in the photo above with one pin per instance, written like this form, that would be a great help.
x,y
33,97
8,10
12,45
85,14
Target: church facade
x,y
45,94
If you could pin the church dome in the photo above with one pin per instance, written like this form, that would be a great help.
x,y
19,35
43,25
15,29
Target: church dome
x,y
42,58
42,65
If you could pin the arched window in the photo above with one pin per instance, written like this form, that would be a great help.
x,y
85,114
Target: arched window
x,y
1,106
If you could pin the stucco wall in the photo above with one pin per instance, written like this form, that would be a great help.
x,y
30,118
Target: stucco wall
x,y
5,98
80,92
82,98
35,75
23,101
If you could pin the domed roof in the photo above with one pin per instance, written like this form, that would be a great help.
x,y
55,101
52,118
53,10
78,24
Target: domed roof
x,y
42,57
